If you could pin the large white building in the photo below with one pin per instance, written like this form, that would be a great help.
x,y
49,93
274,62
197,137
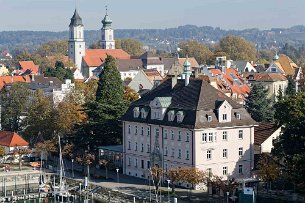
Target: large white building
x,y
187,122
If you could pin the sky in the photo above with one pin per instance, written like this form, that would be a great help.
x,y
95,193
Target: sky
x,y
54,15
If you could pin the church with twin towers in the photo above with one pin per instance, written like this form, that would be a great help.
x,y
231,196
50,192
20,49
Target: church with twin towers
x,y
88,62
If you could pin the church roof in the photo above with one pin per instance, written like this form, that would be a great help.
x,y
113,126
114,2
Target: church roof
x,y
76,20
96,57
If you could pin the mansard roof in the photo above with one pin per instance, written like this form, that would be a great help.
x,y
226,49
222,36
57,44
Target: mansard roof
x,y
76,20
196,100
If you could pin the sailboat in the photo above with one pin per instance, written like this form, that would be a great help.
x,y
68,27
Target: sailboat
x,y
61,192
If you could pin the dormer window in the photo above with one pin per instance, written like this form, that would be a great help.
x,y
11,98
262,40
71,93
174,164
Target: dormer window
x,y
238,116
180,116
171,115
144,113
136,112
209,118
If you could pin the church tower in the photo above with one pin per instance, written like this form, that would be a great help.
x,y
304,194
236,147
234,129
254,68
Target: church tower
x,y
76,40
107,41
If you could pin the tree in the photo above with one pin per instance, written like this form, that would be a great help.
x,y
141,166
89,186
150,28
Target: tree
x,y
40,121
47,147
195,49
103,126
2,151
258,105
290,146
59,71
19,152
15,102
228,185
237,48
68,116
86,159
83,92
193,175
175,175
130,95
106,163
291,87
268,169
131,46
156,174
53,47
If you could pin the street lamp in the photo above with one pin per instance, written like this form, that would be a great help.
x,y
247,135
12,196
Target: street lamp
x,y
168,188
72,160
117,174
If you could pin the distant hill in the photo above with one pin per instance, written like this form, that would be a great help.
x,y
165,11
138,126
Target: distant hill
x,y
164,39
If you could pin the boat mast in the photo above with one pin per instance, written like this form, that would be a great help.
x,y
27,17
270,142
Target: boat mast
x,y
60,165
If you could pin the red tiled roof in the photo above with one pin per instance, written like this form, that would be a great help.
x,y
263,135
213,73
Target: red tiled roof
x,y
11,139
95,57
28,65
4,80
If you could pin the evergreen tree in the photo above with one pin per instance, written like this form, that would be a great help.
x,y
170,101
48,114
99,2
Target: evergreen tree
x,y
103,126
258,105
291,87
59,71
290,146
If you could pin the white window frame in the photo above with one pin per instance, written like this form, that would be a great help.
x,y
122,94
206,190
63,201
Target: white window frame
x,y
204,137
210,119
225,153
225,170
210,137
209,154
240,151
225,135
240,134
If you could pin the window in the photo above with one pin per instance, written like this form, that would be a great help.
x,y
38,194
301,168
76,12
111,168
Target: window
x,y
148,132
142,147
179,135
71,46
157,132
136,163
240,134
204,137
129,161
80,46
173,152
240,169
135,130
148,148
165,134
187,155
240,152
129,129
209,118
224,135
173,135
136,146
238,116
224,153
210,137
148,164
129,145
209,170
179,153
224,117
142,163
224,170
187,137
209,154
165,151
142,130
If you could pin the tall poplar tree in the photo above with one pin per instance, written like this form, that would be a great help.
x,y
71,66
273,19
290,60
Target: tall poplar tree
x,y
258,105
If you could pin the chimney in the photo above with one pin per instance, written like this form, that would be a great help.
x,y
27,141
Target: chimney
x,y
51,83
175,77
33,78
